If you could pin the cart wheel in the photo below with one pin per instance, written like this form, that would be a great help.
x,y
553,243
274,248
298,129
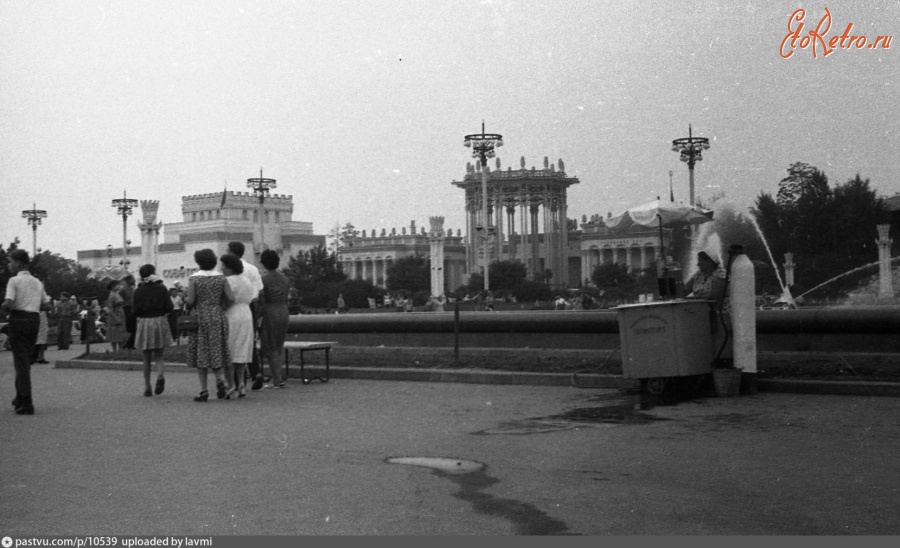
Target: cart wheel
x,y
656,386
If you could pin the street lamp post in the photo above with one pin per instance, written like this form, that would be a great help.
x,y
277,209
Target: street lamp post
x,y
124,207
34,216
261,187
483,145
691,149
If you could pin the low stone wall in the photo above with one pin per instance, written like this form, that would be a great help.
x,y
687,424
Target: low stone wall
x,y
865,330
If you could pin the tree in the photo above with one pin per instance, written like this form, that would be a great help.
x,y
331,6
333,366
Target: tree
x,y
310,269
615,283
506,274
341,237
5,274
358,292
803,180
411,273
316,274
829,231
60,274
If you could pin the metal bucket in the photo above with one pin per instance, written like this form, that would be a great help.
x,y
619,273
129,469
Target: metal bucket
x,y
727,382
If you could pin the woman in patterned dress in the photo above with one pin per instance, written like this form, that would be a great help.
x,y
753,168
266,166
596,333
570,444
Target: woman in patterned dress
x,y
115,316
208,295
274,302
240,321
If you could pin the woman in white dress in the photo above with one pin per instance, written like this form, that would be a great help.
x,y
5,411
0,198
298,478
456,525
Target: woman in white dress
x,y
240,323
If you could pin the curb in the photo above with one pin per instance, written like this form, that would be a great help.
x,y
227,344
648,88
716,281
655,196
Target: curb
x,y
481,376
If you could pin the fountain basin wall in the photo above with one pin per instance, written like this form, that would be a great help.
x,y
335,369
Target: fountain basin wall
x,y
856,330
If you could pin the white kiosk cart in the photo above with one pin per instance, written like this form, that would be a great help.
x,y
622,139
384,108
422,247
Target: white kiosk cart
x,y
664,341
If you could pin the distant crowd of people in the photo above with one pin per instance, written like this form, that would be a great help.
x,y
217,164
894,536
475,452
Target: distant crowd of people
x,y
232,304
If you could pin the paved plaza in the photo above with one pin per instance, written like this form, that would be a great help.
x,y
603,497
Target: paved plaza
x,y
99,458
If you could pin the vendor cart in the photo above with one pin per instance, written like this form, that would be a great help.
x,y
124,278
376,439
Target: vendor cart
x,y
666,341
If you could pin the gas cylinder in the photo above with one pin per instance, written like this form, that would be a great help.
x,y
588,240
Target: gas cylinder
x,y
742,294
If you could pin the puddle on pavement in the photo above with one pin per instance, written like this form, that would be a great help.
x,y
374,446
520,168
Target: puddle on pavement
x,y
472,479
614,409
450,466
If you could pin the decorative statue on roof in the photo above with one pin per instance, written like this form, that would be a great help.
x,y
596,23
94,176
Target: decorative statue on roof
x,y
522,162
498,163
562,166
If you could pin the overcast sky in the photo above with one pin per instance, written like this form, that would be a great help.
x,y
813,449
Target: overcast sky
x,y
359,109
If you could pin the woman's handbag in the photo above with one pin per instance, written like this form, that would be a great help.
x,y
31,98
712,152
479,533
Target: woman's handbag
x,y
188,323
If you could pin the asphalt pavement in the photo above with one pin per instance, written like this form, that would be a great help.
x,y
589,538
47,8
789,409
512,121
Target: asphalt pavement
x,y
99,458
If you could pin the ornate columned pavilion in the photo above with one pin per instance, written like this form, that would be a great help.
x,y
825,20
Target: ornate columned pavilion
x,y
527,212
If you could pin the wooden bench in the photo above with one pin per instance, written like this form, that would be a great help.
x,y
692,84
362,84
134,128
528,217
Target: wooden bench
x,y
304,346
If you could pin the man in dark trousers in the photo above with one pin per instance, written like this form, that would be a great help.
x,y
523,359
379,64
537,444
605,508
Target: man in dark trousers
x,y
67,310
25,298
128,308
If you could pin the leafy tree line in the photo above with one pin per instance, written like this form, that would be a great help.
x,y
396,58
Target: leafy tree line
x,y
829,230
319,278
59,274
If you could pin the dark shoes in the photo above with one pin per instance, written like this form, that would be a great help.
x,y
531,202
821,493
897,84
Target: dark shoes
x,y
257,382
160,385
148,393
221,389
203,396
23,406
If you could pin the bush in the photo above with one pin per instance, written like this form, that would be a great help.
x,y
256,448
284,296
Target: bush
x,y
357,293
530,291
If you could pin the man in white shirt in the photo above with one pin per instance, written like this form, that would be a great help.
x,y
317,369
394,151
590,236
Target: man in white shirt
x,y
253,276
25,298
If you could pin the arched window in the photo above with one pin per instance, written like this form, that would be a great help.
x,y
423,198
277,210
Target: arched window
x,y
244,214
193,215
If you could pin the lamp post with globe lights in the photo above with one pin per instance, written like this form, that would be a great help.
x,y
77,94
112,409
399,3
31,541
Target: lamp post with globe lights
x,y
261,187
34,216
483,145
691,149
124,207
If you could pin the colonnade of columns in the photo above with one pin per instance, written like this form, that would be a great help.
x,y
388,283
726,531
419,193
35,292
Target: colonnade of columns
x,y
375,270
542,228
634,257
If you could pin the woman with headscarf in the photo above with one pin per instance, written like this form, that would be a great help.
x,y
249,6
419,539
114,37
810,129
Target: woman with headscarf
x,y
709,280
710,283
208,295
152,335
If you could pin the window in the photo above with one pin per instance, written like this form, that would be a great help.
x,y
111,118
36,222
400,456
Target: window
x,y
244,214
193,215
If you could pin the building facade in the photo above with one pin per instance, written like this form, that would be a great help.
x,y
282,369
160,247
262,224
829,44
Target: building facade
x,y
636,247
368,255
527,218
210,221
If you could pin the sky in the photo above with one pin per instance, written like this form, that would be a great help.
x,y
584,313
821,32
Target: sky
x,y
359,109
